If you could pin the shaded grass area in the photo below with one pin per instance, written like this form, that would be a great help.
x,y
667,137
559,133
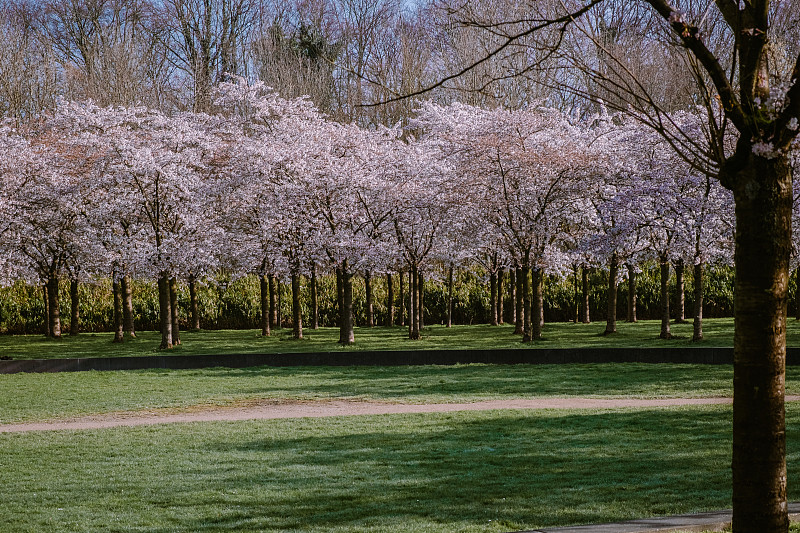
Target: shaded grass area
x,y
28,397
464,472
718,332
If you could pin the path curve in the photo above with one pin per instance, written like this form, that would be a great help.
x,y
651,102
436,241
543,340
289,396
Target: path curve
x,y
275,409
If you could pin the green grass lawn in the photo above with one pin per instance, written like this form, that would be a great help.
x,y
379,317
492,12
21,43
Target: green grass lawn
x,y
718,332
30,397
458,472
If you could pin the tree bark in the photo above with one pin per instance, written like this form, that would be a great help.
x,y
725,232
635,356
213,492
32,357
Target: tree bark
x,y
413,321
119,325
194,304
421,302
526,304
346,334
368,307
493,298
265,317
314,298
278,298
165,311
500,283
450,296
680,286
175,310
273,302
537,278
75,308
402,299
46,302
697,334
763,200
389,300
611,311
339,300
665,332
585,293
797,293
54,305
297,311
512,294
576,295
126,286
519,325
631,292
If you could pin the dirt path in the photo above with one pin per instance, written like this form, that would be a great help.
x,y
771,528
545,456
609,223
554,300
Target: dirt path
x,y
273,410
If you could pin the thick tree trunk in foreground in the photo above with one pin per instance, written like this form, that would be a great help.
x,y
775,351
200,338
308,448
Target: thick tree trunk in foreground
x,y
500,285
54,305
413,320
389,300
265,316
537,279
665,332
493,298
165,311
763,199
519,304
46,304
368,307
450,296
119,325
611,311
297,311
526,304
631,293
346,334
697,326
126,285
314,298
680,289
75,308
194,304
585,293
175,311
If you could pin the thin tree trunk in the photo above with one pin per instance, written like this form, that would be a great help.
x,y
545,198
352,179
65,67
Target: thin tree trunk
x,y
339,300
585,318
665,332
538,303
194,304
273,302
697,334
611,310
680,298
119,325
421,301
46,302
500,275
519,325
368,304
264,286
526,304
175,310
297,311
631,292
763,200
797,293
314,298
493,298
389,300
576,295
450,296
75,308
278,304
55,311
512,294
165,311
413,309
346,334
126,286
402,299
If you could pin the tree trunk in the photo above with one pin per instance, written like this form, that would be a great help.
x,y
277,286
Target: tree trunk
x,y
697,334
297,311
492,298
763,200
512,294
389,300
797,293
75,309
450,296
273,302
278,299
631,293
119,323
585,293
526,304
537,276
413,321
519,325
680,299
314,298
368,304
175,311
665,332
264,286
165,311
339,300
54,305
46,302
576,294
346,334
402,300
421,302
126,286
194,304
500,276
611,310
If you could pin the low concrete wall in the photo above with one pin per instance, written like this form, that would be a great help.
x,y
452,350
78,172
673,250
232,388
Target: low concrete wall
x,y
712,356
